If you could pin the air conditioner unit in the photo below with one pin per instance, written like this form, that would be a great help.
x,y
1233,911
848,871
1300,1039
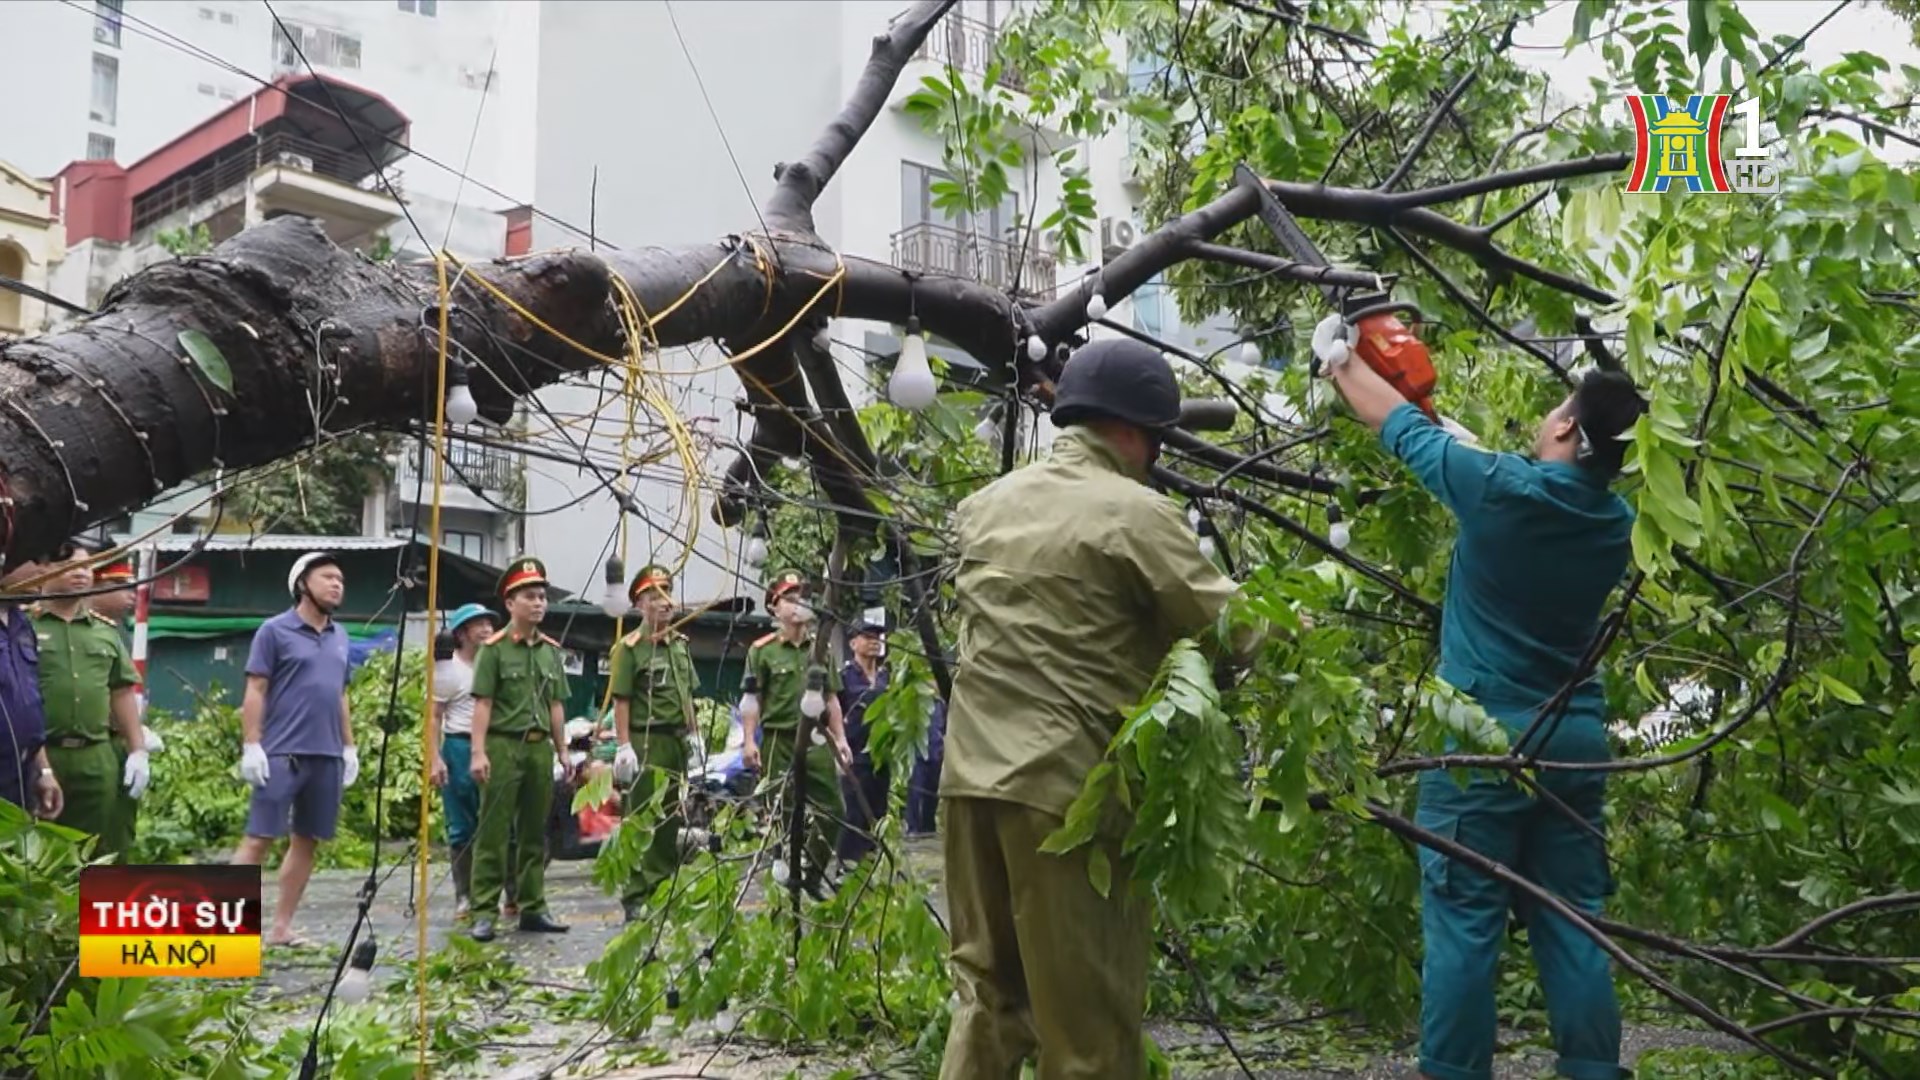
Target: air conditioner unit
x,y
1117,235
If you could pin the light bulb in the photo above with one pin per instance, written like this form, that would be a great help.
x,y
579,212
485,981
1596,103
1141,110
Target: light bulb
x,y
987,431
614,600
723,1020
756,551
912,385
818,739
1193,518
1036,349
1206,547
781,875
1250,354
814,701
1339,534
356,985
1096,306
461,408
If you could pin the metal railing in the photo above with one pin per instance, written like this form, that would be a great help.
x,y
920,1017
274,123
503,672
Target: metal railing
x,y
967,44
275,148
941,249
467,463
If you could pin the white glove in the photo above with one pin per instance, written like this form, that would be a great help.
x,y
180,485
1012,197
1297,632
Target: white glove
x,y
1333,341
626,765
559,771
155,744
137,774
253,764
351,755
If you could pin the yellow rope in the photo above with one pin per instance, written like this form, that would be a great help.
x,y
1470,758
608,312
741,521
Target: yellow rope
x,y
426,698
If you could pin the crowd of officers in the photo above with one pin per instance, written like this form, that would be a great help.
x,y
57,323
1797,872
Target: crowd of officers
x,y
1074,579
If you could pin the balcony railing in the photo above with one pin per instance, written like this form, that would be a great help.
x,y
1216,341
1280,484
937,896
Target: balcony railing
x,y
967,44
940,249
483,467
275,148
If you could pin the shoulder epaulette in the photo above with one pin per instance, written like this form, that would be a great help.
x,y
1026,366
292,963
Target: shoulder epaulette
x,y
100,618
497,636
550,641
632,640
766,639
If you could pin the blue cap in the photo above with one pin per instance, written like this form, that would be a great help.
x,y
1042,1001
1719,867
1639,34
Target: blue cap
x,y
465,614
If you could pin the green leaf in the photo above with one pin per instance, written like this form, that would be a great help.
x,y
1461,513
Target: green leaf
x,y
1839,689
208,359
1100,871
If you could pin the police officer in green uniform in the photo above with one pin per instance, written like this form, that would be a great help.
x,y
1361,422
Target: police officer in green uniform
x,y
779,665
117,607
88,683
1074,580
519,735
652,686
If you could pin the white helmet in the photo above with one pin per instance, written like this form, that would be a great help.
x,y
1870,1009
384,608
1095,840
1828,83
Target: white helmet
x,y
311,560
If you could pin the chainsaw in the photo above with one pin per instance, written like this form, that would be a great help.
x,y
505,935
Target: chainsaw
x,y
1369,321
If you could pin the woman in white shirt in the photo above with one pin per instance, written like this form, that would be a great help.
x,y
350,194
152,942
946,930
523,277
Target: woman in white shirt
x,y
451,740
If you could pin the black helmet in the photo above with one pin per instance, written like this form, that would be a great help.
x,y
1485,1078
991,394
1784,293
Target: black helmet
x,y
1118,379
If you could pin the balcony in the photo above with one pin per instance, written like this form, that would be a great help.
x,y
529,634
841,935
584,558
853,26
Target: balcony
x,y
969,45
939,249
468,466
275,173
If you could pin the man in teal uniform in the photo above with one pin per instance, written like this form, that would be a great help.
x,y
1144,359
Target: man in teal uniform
x,y
779,665
87,683
519,737
1542,543
652,686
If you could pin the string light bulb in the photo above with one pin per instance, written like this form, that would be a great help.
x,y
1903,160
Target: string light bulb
x,y
987,430
1096,306
756,553
461,408
1339,533
356,983
1250,354
912,385
1036,349
614,600
1193,517
814,701
781,875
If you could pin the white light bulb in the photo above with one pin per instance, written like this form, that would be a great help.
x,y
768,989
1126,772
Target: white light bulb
x,y
355,986
1096,306
756,553
1206,547
987,431
749,702
1339,535
812,704
1036,349
818,739
781,875
1193,517
614,601
793,463
1250,354
912,385
723,1021
461,408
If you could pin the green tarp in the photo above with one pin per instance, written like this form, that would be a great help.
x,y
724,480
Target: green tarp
x,y
215,626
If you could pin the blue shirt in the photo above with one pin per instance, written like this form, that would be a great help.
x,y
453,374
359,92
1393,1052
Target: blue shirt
x,y
856,692
23,719
1541,545
306,672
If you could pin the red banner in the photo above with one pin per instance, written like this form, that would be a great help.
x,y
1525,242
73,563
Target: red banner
x,y
197,921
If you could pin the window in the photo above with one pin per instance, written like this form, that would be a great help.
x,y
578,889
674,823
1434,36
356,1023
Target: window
x,y
106,88
99,147
322,47
470,544
106,21
429,8
917,199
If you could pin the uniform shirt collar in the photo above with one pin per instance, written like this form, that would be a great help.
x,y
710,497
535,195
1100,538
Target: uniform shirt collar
x,y
1078,445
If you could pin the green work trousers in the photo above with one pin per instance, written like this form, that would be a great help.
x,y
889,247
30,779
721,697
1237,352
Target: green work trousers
x,y
663,762
515,799
1463,913
1044,965
90,778
126,807
820,808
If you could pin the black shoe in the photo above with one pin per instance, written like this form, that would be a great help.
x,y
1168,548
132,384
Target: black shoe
x,y
483,929
540,923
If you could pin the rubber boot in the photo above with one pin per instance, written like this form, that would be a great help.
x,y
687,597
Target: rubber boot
x,y
462,879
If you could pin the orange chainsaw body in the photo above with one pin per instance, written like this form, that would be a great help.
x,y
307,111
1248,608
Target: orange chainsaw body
x,y
1391,350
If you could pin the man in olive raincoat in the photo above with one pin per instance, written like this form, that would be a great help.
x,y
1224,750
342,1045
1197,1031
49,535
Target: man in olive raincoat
x,y
1074,581
1542,543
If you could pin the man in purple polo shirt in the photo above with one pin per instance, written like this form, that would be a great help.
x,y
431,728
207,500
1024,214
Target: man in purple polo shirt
x,y
299,752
